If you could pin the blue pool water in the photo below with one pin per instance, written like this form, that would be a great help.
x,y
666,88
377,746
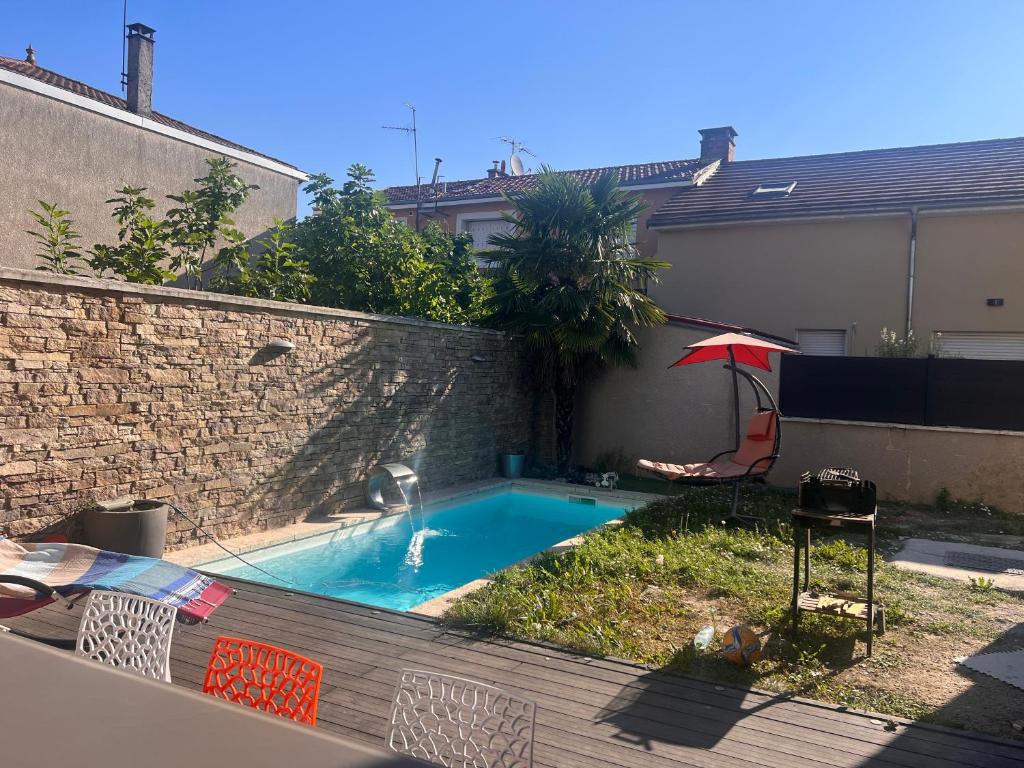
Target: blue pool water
x,y
401,561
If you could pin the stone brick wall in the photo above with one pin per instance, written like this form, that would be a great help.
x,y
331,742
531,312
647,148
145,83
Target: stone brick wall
x,y
110,390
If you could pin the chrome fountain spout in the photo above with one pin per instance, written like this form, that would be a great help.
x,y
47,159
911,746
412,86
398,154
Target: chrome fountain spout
x,y
379,475
403,478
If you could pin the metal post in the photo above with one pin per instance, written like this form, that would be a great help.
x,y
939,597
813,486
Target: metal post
x,y
735,398
796,578
807,560
871,586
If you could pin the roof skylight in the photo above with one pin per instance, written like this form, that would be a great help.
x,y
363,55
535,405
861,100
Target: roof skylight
x,y
774,188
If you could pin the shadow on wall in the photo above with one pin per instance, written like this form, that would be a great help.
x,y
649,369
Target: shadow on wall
x,y
390,394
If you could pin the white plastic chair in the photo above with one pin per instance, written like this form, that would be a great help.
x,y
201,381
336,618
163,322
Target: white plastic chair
x,y
128,632
460,723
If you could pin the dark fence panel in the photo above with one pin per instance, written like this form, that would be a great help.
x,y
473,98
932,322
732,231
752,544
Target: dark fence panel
x,y
950,392
854,388
986,394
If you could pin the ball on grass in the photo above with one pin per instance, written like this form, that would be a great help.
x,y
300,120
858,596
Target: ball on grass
x,y
741,645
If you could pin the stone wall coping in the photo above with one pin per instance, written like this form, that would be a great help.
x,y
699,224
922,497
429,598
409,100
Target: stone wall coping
x,y
905,427
219,300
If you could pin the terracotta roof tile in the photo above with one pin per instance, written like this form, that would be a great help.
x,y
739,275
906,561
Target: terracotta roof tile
x,y
873,181
643,173
74,86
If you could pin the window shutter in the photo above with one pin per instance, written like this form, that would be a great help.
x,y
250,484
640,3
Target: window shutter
x,y
482,229
980,346
822,342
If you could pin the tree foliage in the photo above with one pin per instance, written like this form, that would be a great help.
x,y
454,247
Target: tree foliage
x,y
142,241
275,272
351,253
365,259
55,237
203,217
572,284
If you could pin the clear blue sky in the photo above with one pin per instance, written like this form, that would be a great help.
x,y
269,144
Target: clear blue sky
x,y
582,83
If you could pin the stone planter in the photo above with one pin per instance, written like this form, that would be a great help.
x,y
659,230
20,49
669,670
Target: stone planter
x,y
134,527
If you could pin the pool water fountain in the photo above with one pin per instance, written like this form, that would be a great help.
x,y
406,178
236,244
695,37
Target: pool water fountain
x,y
404,479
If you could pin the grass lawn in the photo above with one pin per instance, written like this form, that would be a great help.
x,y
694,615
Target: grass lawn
x,y
641,591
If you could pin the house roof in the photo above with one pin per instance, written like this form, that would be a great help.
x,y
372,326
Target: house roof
x,y
668,172
58,80
977,173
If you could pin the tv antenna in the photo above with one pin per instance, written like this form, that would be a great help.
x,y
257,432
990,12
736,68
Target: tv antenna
x,y
124,48
415,144
515,162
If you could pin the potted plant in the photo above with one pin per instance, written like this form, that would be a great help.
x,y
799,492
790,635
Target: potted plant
x,y
131,526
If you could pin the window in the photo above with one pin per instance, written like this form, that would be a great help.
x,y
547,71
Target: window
x,y
821,341
979,346
774,189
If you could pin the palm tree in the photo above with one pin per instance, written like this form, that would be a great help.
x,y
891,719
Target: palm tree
x,y
569,281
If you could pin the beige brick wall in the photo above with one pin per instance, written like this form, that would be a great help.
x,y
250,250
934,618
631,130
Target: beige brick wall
x,y
110,390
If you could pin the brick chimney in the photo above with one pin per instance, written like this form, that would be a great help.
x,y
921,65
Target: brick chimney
x,y
717,144
140,69
495,171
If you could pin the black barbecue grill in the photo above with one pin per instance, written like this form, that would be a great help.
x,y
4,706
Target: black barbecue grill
x,y
831,499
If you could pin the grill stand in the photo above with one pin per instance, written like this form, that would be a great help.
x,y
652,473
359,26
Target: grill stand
x,y
843,605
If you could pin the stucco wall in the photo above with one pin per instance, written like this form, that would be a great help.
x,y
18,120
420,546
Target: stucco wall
x,y
910,463
683,415
963,260
653,412
111,390
778,278
53,151
850,274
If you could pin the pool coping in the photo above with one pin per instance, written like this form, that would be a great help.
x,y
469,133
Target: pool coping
x,y
206,554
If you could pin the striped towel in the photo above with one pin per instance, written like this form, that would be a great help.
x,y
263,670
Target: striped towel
x,y
72,568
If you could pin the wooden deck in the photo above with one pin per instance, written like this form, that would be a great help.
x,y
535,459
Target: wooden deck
x,y
591,713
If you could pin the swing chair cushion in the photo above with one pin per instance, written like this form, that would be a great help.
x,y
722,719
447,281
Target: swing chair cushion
x,y
754,458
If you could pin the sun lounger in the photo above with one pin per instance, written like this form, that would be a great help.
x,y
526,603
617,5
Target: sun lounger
x,y
36,574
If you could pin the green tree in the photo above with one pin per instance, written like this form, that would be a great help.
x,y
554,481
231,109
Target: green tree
x,y
142,242
571,283
55,238
203,217
365,259
275,272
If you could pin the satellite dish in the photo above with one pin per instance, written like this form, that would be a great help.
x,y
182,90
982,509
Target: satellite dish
x,y
517,165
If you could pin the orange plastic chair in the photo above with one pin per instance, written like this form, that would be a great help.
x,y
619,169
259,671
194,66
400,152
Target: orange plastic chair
x,y
264,677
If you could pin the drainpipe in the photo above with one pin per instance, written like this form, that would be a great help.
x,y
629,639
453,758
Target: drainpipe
x,y
911,268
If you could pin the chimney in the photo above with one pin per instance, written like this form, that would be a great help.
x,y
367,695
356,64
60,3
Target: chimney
x,y
717,144
140,69
30,55
493,172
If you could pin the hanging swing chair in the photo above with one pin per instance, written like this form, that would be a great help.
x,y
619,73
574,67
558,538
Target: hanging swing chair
x,y
757,449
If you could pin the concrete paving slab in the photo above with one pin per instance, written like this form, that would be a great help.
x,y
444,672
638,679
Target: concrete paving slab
x,y
1008,667
933,557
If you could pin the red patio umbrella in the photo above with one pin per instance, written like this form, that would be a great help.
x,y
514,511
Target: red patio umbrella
x,y
736,348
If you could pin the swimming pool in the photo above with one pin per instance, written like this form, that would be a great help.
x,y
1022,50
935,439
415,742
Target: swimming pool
x,y
402,560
